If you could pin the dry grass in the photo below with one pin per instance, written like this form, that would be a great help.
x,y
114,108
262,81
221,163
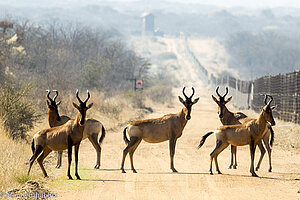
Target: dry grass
x,y
13,156
14,159
118,110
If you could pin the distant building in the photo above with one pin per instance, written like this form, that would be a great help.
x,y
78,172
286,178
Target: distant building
x,y
148,24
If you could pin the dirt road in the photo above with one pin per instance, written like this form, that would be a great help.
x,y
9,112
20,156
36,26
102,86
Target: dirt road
x,y
154,179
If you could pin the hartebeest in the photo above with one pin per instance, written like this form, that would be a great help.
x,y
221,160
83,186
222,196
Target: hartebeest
x,y
229,118
168,127
91,131
250,133
61,137
55,119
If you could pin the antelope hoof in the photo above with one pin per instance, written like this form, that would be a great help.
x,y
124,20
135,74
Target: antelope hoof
x,y
256,169
270,170
123,171
254,174
70,177
211,173
219,172
57,166
78,177
230,166
97,166
134,171
174,170
234,167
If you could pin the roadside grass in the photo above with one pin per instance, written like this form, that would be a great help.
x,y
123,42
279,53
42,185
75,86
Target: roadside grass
x,y
22,177
14,156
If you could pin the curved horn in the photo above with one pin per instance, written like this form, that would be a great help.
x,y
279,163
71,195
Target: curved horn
x,y
77,91
193,92
217,91
226,92
266,97
184,93
271,99
55,94
48,95
88,97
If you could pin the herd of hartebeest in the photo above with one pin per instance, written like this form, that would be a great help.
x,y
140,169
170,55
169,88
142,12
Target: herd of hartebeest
x,y
237,130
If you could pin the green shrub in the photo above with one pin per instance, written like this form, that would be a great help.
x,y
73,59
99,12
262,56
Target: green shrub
x,y
16,110
22,177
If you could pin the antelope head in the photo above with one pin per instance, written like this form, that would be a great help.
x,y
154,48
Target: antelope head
x,y
52,105
82,108
267,110
221,102
188,103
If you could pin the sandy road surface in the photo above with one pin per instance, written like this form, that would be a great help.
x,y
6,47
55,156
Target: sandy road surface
x,y
154,179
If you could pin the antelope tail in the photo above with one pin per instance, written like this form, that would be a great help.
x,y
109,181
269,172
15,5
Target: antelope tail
x,y
204,138
272,135
102,135
32,146
125,137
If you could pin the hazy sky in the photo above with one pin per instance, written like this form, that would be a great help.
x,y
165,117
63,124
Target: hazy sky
x,y
247,3
222,3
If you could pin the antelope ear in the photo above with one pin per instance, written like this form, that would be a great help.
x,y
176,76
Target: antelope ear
x,y
273,107
181,100
215,99
228,99
58,103
89,106
48,102
75,105
196,100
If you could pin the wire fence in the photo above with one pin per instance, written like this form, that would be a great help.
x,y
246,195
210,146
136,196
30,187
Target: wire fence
x,y
284,88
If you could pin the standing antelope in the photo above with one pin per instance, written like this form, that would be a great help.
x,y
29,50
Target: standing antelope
x,y
168,127
55,119
60,138
91,131
229,118
250,133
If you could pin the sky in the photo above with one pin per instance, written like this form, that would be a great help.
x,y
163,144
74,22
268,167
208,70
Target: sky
x,y
221,3
246,3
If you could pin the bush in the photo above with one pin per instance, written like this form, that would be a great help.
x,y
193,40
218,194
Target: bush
x,y
160,93
137,99
16,110
111,109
